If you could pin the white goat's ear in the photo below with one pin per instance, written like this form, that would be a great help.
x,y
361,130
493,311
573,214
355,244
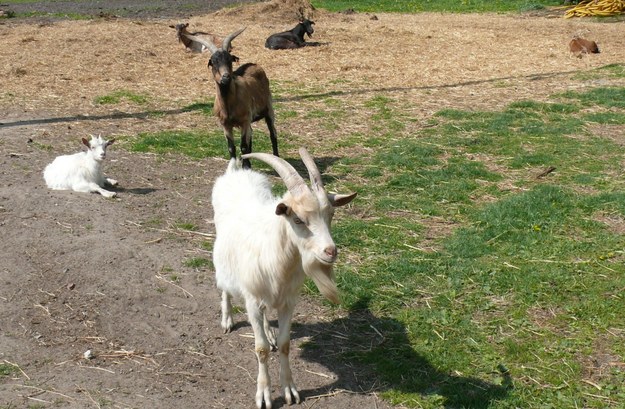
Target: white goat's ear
x,y
282,209
337,200
110,142
86,142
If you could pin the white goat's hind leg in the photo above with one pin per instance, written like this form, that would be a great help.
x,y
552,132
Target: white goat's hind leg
x,y
271,336
111,182
263,386
284,345
226,312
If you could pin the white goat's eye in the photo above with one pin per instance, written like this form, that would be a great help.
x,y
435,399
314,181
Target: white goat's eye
x,y
297,220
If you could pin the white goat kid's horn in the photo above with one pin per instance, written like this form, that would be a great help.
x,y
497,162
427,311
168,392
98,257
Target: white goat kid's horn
x,y
292,180
226,43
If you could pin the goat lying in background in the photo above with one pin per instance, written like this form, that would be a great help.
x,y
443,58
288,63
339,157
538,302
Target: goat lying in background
x,y
579,46
265,246
293,38
192,45
243,96
82,171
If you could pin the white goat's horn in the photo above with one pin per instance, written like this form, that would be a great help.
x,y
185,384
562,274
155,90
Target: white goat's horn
x,y
293,181
226,43
313,171
206,43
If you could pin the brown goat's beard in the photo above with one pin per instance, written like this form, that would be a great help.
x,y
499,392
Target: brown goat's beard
x,y
323,277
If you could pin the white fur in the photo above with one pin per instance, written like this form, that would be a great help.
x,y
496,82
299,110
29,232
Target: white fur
x,y
82,171
264,258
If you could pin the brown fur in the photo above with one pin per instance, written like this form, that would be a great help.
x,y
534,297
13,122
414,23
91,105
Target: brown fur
x,y
246,99
581,46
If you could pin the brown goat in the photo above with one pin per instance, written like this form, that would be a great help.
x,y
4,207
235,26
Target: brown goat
x,y
192,45
243,96
581,46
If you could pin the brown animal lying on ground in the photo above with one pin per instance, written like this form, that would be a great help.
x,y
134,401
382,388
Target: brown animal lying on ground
x,y
579,46
190,44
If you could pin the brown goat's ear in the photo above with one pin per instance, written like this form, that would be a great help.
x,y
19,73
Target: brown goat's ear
x,y
282,209
172,26
86,142
235,58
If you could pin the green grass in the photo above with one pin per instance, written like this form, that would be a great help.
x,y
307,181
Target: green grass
x,y
186,226
415,6
117,96
529,278
469,279
198,262
195,143
7,370
70,16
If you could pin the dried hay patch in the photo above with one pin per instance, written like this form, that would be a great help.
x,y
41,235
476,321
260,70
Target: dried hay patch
x,y
423,62
285,10
615,133
614,222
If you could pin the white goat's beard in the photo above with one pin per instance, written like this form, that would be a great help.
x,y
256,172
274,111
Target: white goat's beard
x,y
323,277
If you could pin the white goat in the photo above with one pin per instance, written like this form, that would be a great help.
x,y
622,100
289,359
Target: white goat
x,y
82,171
265,247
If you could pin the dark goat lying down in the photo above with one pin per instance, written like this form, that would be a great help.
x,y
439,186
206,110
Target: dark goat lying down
x,y
193,45
293,38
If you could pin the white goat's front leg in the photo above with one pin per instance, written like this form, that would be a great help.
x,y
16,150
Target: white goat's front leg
x,y
226,312
90,187
263,387
284,346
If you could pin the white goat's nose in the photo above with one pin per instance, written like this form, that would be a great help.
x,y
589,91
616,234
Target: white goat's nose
x,y
331,251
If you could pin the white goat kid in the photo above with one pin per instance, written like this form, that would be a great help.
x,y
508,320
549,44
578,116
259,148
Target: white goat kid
x,y
82,171
265,247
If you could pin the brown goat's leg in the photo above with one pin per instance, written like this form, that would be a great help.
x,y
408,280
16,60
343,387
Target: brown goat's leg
x,y
246,144
230,139
273,135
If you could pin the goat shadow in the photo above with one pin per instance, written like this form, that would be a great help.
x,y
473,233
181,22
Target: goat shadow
x,y
356,349
315,43
133,191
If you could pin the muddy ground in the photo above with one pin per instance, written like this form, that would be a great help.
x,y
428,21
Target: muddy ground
x,y
81,273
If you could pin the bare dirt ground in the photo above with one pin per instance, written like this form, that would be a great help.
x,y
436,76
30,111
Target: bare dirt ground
x,y
79,272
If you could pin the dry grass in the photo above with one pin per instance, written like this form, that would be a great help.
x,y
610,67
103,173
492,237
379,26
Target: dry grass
x,y
424,62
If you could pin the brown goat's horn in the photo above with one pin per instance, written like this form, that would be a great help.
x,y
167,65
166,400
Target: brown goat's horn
x,y
313,171
207,43
293,181
226,43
